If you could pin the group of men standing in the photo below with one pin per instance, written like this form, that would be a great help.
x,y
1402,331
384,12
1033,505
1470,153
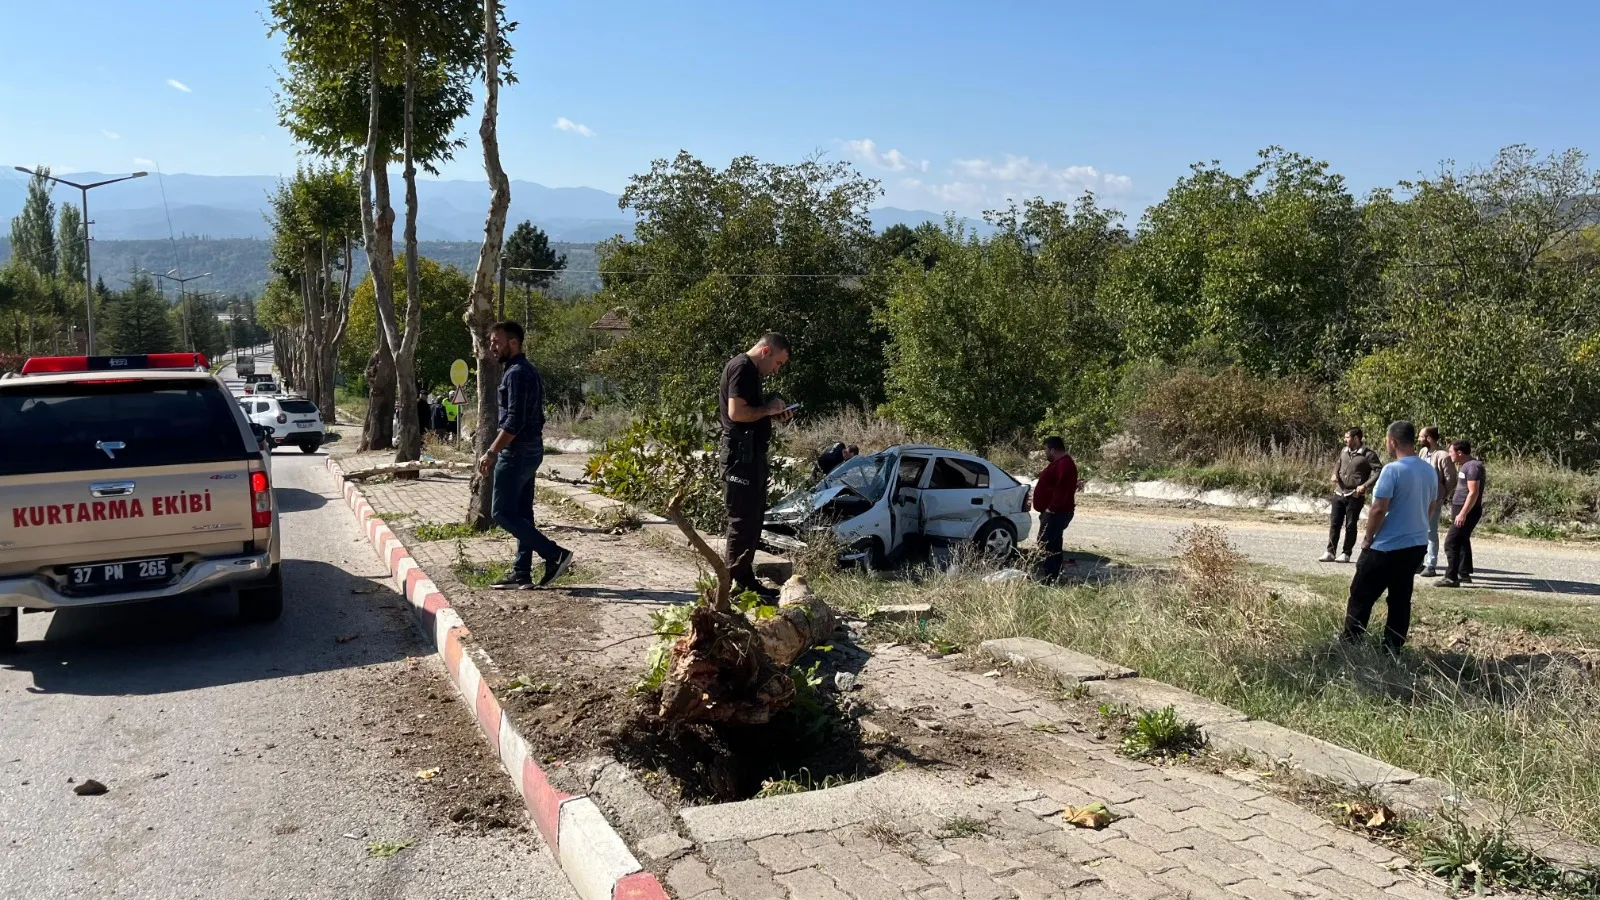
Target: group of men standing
x,y
1461,479
1402,530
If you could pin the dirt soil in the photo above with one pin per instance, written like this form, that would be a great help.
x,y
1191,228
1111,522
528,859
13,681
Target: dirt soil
x,y
580,651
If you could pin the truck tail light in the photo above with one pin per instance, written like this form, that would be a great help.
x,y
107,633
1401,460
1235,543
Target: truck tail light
x,y
282,419
260,500
1027,499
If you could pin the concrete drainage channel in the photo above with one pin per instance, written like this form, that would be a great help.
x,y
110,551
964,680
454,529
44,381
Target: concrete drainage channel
x,y
1231,731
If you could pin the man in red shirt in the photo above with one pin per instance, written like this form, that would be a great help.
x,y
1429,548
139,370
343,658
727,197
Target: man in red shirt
x,y
1055,496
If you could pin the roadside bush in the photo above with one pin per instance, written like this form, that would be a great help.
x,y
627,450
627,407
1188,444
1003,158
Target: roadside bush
x,y
1193,415
807,436
646,464
1531,491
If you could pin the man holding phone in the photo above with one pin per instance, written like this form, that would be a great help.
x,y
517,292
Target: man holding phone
x,y
747,416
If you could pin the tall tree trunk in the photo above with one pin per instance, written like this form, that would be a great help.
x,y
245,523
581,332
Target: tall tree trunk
x,y
377,226
409,444
480,307
339,325
378,433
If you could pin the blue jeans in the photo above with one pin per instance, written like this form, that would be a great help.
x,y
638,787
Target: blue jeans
x,y
511,505
1052,531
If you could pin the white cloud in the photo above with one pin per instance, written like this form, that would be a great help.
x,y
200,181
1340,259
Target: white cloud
x,y
977,184
112,135
866,151
141,161
566,124
178,85
1024,172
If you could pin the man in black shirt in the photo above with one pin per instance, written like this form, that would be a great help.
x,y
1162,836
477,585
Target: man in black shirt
x,y
747,415
835,456
515,456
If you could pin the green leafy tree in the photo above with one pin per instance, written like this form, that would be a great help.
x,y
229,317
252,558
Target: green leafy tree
x,y
718,257
1490,324
530,262
442,339
1003,333
33,239
138,321
194,320
429,52
315,225
69,244
1268,270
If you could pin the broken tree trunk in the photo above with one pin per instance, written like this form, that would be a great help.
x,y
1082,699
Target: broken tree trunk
x,y
731,669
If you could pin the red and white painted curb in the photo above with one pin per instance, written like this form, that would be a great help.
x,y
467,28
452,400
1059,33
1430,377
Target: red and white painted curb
x,y
594,857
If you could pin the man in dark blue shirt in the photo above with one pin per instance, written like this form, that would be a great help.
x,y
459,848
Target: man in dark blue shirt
x,y
515,457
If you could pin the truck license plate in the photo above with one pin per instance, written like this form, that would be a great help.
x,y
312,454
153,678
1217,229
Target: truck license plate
x,y
304,423
132,571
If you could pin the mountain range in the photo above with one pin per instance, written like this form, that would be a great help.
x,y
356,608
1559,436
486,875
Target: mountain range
x,y
232,206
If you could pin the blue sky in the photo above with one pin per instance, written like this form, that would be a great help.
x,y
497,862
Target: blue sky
x,y
954,106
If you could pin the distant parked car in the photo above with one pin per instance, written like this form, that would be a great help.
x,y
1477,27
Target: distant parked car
x,y
293,421
878,506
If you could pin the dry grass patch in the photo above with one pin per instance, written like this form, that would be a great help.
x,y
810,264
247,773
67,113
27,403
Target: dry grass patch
x,y
1517,724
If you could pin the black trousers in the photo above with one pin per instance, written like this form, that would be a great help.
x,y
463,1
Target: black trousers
x,y
1345,513
1052,531
1458,544
744,493
1378,571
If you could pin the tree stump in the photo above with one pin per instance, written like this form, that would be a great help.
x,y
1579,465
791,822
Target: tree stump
x,y
732,669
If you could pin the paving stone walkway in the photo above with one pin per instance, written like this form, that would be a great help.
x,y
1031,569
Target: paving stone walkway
x,y
944,832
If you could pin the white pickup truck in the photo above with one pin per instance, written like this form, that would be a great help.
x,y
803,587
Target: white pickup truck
x,y
130,478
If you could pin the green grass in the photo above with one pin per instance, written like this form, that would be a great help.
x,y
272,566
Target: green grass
x,y
1497,718
445,531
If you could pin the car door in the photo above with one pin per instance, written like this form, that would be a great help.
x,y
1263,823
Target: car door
x,y
957,498
905,507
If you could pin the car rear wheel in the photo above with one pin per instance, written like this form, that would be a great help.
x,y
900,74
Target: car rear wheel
x,y
9,620
309,448
263,601
997,539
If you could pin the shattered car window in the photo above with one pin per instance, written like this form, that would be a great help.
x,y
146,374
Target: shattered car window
x,y
866,475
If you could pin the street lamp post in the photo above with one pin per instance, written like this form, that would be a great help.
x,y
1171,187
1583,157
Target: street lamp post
x,y
183,310
88,280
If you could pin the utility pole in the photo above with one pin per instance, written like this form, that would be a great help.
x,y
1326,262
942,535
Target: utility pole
x,y
88,275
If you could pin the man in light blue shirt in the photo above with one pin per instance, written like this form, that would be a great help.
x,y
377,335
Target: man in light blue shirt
x,y
1396,539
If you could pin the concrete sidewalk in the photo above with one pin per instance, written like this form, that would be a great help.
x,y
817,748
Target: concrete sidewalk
x,y
990,826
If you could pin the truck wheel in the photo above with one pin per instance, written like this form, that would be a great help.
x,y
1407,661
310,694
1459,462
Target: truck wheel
x,y
997,539
8,629
262,601
309,448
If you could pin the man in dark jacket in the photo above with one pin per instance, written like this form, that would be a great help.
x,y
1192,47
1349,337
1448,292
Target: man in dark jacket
x,y
515,456
747,416
1354,474
1055,496
835,456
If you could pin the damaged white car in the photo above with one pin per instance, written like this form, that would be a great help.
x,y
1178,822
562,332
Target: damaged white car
x,y
879,507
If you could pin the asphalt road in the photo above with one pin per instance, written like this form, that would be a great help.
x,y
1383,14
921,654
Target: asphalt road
x,y
250,761
1503,564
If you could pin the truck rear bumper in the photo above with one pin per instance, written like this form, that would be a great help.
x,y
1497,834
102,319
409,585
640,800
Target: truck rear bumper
x,y
34,592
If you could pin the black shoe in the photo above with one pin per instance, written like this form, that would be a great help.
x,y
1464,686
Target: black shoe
x,y
1447,583
1466,579
555,568
512,582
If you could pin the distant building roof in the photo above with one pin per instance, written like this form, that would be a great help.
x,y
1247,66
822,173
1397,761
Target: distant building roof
x,y
611,321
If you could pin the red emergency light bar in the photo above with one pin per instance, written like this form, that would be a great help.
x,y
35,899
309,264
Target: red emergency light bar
x,y
43,365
